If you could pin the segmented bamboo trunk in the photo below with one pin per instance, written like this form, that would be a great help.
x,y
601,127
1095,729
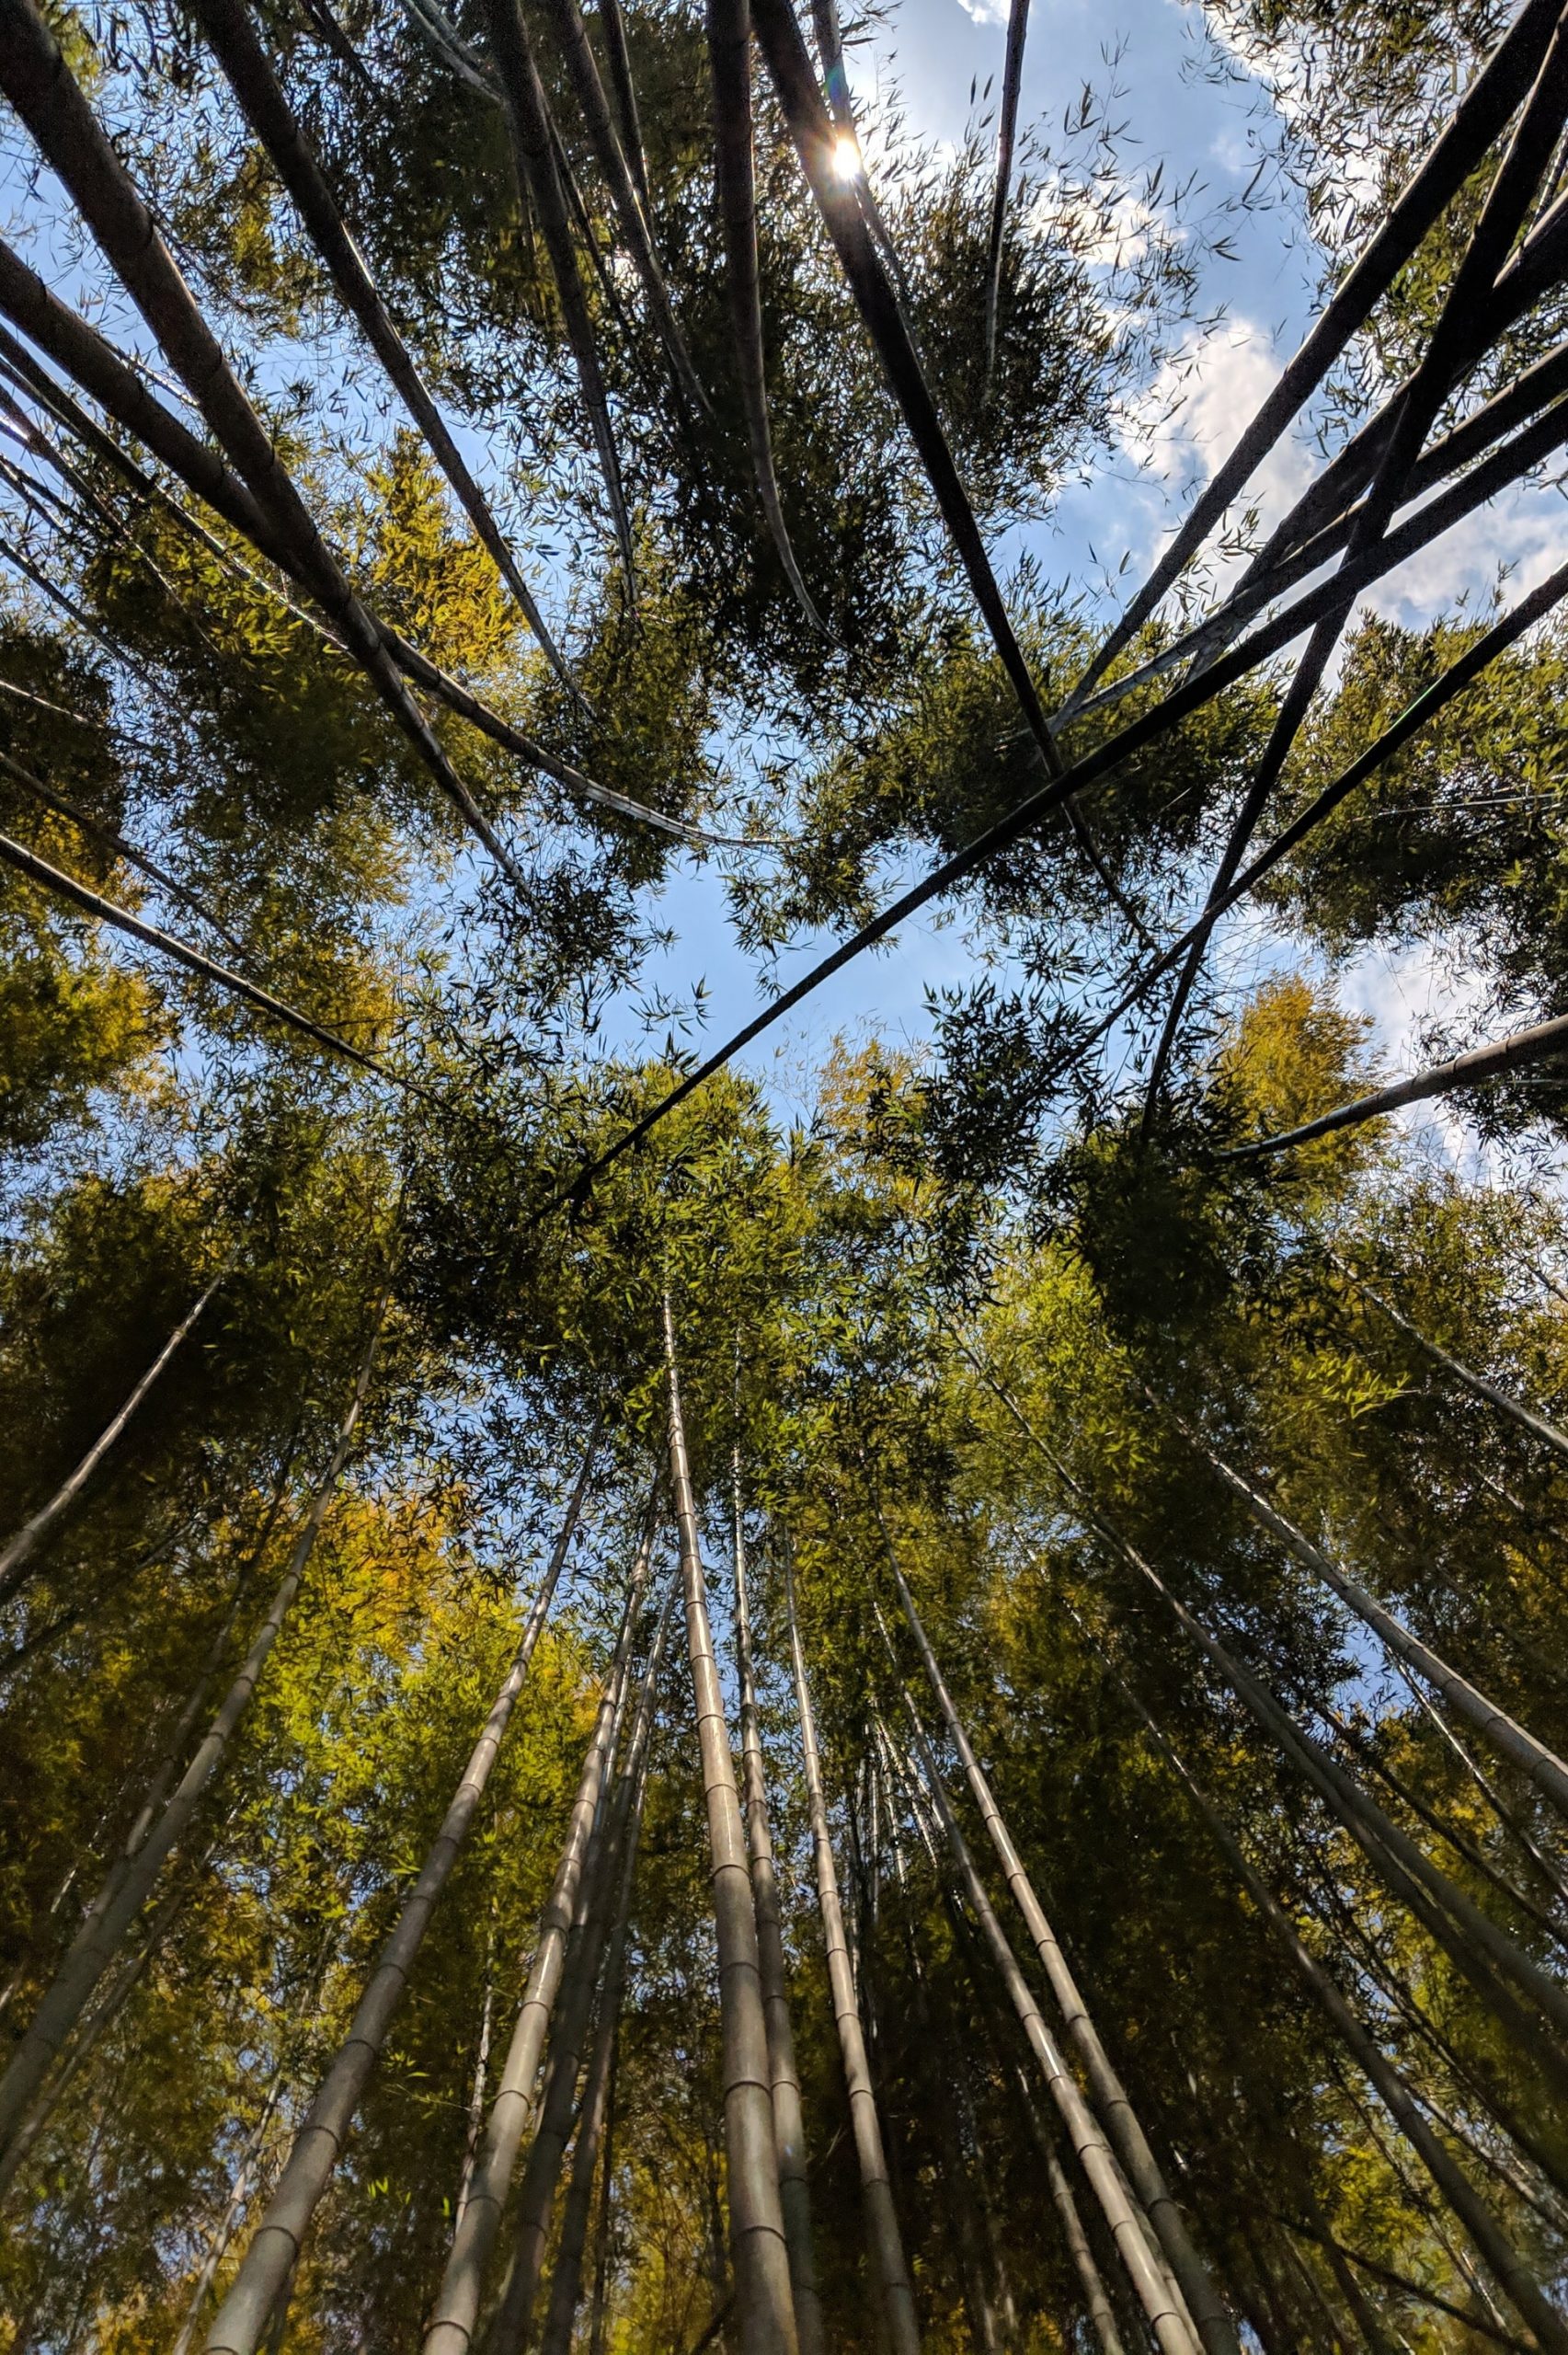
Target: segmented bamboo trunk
x,y
101,1933
766,2309
960,2202
15,1558
509,2331
881,2218
565,2288
269,2263
1510,2268
1111,2100
789,2123
1543,1767
455,2311
1475,1942
40,85
229,29
1476,1384
1173,2332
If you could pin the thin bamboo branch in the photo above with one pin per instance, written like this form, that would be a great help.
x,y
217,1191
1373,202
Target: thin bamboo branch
x,y
276,1009
1006,134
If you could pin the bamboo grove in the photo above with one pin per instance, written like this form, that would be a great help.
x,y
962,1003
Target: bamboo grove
x,y
637,1717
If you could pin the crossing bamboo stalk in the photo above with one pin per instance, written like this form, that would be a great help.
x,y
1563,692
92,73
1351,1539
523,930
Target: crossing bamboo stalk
x,y
450,2328
1112,2101
1466,1376
765,2306
104,1930
1542,1767
91,361
16,1556
1485,1955
889,2264
1476,121
267,2267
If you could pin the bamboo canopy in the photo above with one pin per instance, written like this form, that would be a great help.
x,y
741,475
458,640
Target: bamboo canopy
x,y
509,510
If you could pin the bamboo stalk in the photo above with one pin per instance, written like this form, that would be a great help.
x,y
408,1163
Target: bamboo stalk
x,y
789,2123
528,119
565,2288
1542,1767
1509,2267
36,78
764,2305
512,2323
103,1932
889,2262
1172,2332
232,36
450,2328
1111,2102
14,1557
269,2263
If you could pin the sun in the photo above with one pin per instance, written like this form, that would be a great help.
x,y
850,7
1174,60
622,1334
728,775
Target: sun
x,y
846,156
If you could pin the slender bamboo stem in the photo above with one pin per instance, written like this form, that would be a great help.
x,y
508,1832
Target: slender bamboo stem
x,y
270,2261
1111,2099
1174,2333
888,2261
763,2300
102,1932
1507,2265
510,2330
789,2123
565,2288
16,1556
451,2326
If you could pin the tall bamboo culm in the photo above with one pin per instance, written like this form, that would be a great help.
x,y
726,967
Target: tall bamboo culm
x,y
269,2263
896,2292
14,1557
1111,2100
102,1932
453,2318
789,2122
513,2321
1455,2185
1173,2332
565,2288
766,2306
